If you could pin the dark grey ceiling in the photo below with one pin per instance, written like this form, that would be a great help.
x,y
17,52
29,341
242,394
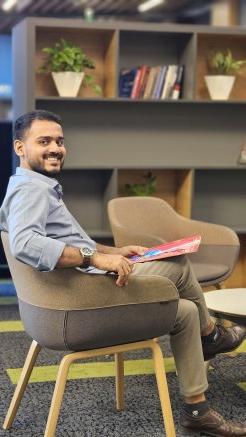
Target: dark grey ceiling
x,y
172,10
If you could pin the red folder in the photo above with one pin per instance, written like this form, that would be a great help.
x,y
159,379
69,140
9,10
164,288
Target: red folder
x,y
166,250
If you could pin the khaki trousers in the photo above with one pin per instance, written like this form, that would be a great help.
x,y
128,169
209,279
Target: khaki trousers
x,y
192,318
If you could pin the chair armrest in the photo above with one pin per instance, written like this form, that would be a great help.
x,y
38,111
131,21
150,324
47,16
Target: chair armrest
x,y
70,289
67,289
140,289
219,244
211,233
87,291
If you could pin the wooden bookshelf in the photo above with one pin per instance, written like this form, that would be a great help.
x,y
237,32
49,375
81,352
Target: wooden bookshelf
x,y
191,145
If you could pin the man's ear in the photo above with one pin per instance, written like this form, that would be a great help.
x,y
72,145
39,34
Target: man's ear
x,y
19,148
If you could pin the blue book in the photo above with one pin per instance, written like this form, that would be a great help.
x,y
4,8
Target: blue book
x,y
126,81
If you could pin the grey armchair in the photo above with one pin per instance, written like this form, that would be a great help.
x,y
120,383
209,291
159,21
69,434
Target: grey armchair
x,y
150,221
90,316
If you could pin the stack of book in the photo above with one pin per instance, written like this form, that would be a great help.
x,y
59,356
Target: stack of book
x,y
145,82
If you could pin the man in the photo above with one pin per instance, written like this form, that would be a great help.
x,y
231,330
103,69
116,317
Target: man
x,y
45,235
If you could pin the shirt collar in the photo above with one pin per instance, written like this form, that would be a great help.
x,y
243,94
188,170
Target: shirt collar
x,y
33,174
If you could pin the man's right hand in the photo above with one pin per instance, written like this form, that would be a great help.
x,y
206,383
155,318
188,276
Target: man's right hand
x,y
113,263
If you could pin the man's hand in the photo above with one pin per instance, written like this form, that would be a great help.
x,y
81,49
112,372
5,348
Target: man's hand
x,y
113,263
132,250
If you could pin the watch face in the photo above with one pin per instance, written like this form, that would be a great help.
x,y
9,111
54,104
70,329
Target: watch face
x,y
87,251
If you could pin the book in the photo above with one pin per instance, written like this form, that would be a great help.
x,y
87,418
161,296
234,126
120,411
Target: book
x,y
138,81
160,82
150,82
126,81
157,80
177,87
167,250
144,81
169,81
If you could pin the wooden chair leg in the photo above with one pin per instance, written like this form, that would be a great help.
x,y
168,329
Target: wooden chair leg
x,y
163,389
22,383
58,393
119,381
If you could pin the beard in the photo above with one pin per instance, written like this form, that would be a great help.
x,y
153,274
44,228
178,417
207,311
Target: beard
x,y
52,172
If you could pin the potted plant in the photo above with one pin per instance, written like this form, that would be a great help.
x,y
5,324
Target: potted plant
x,y
145,189
223,67
67,64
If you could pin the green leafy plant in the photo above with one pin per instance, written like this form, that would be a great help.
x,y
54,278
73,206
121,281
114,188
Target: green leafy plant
x,y
223,63
64,56
145,189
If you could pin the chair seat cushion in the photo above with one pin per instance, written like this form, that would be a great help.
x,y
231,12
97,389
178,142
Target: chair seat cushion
x,y
208,272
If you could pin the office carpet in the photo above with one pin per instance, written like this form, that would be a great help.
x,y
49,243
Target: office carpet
x,y
88,408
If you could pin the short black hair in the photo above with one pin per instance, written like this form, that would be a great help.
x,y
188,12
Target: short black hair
x,y
24,122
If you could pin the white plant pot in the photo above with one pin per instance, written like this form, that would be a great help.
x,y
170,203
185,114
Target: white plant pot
x,y
219,87
68,83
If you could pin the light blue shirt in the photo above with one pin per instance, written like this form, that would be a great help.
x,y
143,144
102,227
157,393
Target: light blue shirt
x,y
38,222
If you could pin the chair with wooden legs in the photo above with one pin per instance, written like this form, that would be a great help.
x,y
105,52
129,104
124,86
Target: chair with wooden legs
x,y
90,316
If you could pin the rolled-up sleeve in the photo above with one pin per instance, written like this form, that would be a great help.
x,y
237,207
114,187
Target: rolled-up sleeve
x,y
29,209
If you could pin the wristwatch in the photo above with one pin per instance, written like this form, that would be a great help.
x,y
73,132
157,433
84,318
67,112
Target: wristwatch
x,y
86,253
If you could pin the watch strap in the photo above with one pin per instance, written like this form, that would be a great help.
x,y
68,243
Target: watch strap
x,y
86,261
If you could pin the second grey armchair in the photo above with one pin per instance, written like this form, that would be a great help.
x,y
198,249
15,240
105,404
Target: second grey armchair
x,y
150,221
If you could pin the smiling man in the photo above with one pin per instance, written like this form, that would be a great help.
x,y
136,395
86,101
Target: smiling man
x,y
48,155
42,231
44,234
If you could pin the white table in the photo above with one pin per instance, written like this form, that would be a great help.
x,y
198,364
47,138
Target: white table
x,y
229,304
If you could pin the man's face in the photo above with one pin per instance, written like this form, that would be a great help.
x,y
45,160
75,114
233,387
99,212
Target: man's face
x,y
42,148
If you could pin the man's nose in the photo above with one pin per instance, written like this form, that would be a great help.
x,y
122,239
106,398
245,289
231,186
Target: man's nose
x,y
54,147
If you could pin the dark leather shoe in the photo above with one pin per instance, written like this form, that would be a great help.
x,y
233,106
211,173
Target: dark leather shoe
x,y
227,340
210,424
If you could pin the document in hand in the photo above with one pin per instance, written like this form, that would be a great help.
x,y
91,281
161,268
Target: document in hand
x,y
166,250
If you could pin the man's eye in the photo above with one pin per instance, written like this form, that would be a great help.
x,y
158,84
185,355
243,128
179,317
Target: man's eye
x,y
60,142
44,142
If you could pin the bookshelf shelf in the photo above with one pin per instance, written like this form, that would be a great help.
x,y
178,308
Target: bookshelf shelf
x,y
192,144
139,101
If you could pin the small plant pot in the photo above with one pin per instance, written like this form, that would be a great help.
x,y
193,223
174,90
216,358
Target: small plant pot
x,y
219,87
68,83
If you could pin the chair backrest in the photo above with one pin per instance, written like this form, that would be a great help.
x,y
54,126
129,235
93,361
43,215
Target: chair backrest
x,y
148,215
